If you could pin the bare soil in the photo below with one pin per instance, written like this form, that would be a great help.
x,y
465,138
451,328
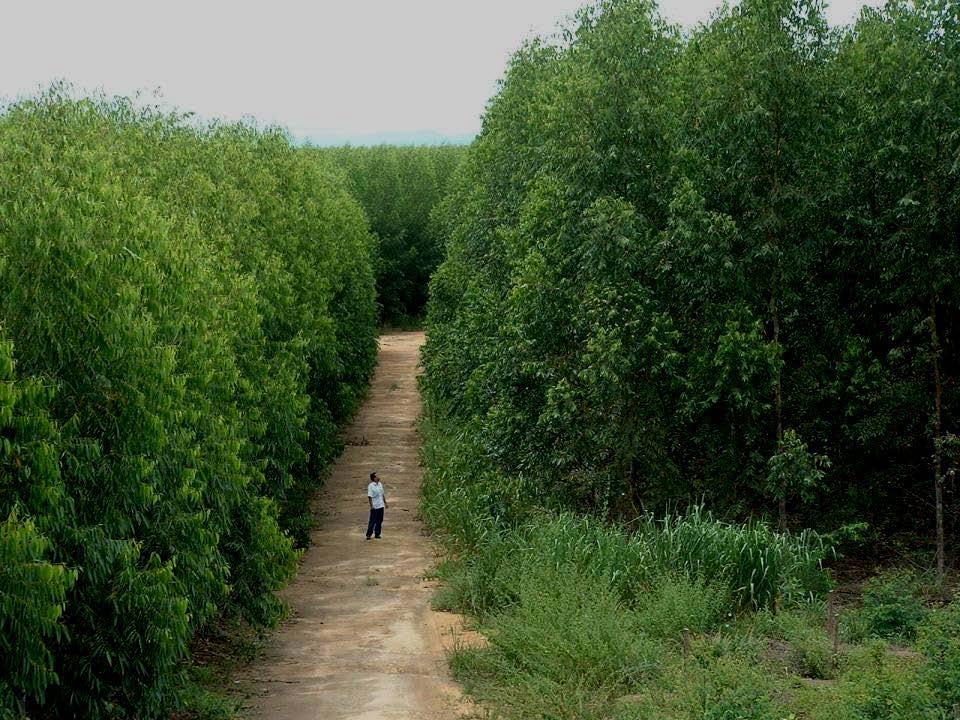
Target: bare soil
x,y
362,642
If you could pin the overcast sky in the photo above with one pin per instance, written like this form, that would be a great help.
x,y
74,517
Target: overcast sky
x,y
359,70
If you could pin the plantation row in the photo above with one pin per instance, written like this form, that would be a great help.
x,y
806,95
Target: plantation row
x,y
398,188
186,314
722,267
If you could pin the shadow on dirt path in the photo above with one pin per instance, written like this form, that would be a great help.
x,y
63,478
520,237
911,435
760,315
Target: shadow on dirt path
x,y
362,642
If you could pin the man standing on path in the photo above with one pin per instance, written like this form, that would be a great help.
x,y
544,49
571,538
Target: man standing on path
x,y
378,502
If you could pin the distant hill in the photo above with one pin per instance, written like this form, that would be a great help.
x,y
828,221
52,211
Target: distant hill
x,y
417,137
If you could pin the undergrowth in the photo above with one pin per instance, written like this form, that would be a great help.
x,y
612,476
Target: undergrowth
x,y
683,616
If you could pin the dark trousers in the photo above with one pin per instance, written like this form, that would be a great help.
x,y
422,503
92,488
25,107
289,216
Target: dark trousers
x,y
376,522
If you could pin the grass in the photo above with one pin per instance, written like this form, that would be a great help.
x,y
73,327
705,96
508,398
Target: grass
x,y
217,654
684,617
202,701
572,635
740,567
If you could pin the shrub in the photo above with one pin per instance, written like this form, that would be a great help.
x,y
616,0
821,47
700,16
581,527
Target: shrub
x,y
891,608
809,651
938,638
727,689
674,603
884,689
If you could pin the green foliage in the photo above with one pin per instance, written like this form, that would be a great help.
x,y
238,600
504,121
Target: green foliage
x,y
793,469
196,305
674,603
762,568
891,606
729,690
748,565
691,268
580,632
938,638
562,640
33,588
682,270
32,594
579,615
586,619
808,651
710,567
883,690
205,704
398,188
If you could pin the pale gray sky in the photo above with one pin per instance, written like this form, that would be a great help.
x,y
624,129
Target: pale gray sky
x,y
358,70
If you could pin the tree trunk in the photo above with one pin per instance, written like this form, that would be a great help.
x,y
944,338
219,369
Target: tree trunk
x,y
775,310
778,396
937,437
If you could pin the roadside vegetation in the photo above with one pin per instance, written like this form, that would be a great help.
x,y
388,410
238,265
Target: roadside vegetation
x,y
398,187
694,336
681,616
187,312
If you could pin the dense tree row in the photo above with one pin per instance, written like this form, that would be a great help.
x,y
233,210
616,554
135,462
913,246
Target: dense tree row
x,y
724,265
398,188
186,314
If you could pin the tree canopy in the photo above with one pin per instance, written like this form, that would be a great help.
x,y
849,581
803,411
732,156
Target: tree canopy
x,y
186,314
717,266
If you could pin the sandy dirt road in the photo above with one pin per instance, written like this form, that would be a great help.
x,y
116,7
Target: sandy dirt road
x,y
362,642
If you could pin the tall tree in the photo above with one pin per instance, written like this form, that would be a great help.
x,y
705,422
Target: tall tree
x,y
900,69
752,97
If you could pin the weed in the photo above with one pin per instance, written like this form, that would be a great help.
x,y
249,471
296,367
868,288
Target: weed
x,y
891,606
677,603
938,638
881,687
202,703
807,649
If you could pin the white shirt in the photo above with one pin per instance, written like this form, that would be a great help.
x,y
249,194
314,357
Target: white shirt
x,y
375,493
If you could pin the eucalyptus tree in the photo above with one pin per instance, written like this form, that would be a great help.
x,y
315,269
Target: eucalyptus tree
x,y
752,101
549,225
726,366
899,69
398,188
192,311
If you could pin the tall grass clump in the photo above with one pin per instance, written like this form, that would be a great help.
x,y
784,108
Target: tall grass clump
x,y
484,519
579,613
187,313
761,568
563,637
749,566
460,497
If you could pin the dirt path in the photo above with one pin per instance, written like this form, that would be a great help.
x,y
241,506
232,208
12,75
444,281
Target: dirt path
x,y
362,642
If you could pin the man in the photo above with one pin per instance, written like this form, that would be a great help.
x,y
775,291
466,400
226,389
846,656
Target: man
x,y
378,502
